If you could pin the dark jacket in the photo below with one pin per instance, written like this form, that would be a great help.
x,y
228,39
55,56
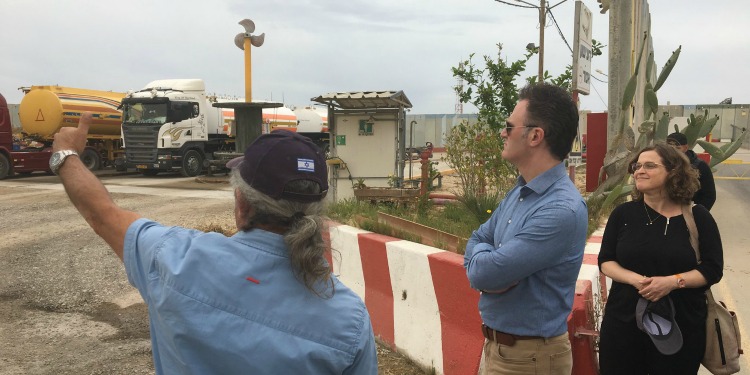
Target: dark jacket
x,y
706,196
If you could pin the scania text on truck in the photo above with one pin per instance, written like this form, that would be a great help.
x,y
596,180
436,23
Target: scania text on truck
x,y
170,125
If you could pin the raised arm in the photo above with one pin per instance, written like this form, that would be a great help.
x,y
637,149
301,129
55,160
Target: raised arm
x,y
87,193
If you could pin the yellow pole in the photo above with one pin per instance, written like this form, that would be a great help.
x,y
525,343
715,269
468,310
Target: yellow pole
x,y
248,72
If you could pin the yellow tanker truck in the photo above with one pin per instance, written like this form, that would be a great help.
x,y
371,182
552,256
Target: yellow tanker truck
x,y
46,109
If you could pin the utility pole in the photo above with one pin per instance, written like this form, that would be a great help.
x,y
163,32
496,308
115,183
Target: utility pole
x,y
621,49
542,21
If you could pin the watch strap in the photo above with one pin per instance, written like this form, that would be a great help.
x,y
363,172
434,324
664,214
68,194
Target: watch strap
x,y
63,155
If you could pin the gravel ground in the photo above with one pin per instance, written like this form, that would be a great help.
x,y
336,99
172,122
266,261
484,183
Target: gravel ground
x,y
66,306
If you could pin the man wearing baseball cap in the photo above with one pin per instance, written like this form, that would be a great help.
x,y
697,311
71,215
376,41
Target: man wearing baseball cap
x,y
706,195
263,301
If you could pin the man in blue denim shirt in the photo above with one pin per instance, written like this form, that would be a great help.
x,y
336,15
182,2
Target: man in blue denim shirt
x,y
525,259
263,301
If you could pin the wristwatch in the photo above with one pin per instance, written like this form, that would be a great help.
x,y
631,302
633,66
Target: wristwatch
x,y
58,158
680,281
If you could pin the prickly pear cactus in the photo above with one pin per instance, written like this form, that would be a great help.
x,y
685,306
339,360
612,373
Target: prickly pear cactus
x,y
653,128
700,126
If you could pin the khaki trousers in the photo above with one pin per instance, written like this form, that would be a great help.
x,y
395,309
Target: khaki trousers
x,y
551,356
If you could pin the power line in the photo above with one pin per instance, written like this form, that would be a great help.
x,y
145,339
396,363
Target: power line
x,y
592,76
599,95
515,5
559,31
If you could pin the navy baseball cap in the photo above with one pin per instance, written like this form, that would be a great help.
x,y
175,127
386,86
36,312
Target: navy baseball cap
x,y
678,139
657,320
277,158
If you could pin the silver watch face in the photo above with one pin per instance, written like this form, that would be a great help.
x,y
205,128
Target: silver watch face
x,y
54,160
57,159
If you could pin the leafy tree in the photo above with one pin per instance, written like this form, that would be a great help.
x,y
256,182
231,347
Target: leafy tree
x,y
491,89
473,150
565,80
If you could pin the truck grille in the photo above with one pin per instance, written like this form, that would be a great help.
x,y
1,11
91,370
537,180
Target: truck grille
x,y
140,142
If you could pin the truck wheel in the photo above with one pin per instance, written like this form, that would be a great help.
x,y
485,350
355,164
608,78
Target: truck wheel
x,y
4,167
91,159
192,164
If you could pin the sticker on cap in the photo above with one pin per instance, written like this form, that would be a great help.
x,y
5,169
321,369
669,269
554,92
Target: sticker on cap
x,y
306,165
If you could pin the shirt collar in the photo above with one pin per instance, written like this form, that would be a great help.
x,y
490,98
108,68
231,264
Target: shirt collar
x,y
263,240
542,182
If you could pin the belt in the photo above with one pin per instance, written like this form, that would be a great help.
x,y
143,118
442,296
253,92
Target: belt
x,y
504,338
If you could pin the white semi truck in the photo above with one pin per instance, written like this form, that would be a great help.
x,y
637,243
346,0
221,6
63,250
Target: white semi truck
x,y
171,125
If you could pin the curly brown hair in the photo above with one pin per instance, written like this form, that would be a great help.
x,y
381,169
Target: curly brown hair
x,y
682,179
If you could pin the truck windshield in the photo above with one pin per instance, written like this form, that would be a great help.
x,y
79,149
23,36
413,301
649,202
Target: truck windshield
x,y
146,113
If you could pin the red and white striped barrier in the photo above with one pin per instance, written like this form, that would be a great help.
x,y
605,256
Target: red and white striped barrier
x,y
421,304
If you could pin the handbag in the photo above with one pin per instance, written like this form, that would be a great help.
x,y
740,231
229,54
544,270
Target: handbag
x,y
723,342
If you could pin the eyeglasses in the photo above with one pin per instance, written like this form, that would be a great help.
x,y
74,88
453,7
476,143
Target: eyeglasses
x,y
673,143
649,166
508,128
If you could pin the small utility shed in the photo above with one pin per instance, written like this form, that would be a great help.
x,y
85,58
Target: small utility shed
x,y
368,139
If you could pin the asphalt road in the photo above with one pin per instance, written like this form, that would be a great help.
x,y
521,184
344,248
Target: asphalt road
x,y
732,213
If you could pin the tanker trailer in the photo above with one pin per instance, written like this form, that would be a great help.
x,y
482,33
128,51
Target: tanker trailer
x,y
312,122
46,109
279,118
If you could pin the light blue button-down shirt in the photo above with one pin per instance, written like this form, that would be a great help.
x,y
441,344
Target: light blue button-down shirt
x,y
221,305
535,238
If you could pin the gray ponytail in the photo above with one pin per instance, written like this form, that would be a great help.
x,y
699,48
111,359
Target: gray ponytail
x,y
305,223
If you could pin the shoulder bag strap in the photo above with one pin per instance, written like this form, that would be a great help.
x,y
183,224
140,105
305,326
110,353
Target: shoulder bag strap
x,y
687,213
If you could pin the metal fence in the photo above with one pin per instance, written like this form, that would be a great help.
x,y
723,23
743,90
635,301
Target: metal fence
x,y
421,129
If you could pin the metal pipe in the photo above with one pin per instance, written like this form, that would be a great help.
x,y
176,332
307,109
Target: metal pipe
x,y
248,72
411,146
443,196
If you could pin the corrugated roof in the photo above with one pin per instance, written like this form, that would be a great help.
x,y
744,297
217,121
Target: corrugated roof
x,y
365,99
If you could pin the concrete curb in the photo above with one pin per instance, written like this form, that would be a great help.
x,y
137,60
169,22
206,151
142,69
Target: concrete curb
x,y
422,306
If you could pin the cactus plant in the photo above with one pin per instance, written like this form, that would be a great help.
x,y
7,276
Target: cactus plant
x,y
700,126
653,128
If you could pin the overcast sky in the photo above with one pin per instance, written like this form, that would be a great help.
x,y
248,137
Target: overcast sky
x,y
315,47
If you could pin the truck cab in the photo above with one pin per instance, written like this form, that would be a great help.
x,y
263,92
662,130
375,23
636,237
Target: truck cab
x,y
13,158
170,125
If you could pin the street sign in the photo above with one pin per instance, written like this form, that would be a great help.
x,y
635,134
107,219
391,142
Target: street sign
x,y
582,49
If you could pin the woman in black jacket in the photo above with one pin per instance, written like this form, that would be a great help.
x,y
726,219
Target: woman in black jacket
x,y
646,251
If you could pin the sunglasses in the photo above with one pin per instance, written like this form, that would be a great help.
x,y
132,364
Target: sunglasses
x,y
649,166
508,128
